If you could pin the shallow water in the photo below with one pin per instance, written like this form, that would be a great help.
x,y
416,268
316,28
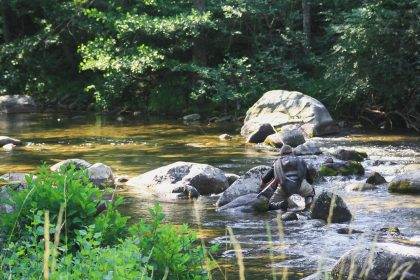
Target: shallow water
x,y
134,146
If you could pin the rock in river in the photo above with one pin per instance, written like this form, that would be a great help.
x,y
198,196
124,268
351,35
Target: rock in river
x,y
322,205
292,137
375,179
341,168
4,140
17,104
408,182
246,203
379,262
101,175
350,155
79,163
281,107
246,184
308,148
360,187
260,133
167,179
9,147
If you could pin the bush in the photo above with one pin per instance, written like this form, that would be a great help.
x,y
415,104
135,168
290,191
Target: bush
x,y
48,191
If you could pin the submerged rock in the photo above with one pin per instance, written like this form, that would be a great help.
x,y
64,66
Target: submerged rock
x,y
408,182
167,179
101,175
260,133
375,179
246,203
322,204
245,184
360,187
350,155
4,140
341,168
308,148
379,262
17,104
78,163
281,107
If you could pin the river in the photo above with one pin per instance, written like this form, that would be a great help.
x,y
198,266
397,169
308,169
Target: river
x,y
297,248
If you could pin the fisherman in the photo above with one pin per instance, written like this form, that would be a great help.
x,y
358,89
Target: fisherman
x,y
288,176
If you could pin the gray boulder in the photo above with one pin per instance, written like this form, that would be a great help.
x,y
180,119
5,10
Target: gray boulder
x,y
375,179
341,168
322,204
260,133
231,178
204,178
78,163
249,183
191,118
5,199
17,104
4,140
247,203
360,187
101,175
308,148
408,182
14,178
280,108
292,137
9,147
379,262
274,140
350,155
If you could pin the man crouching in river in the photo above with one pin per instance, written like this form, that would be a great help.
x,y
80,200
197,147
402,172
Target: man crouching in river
x,y
288,176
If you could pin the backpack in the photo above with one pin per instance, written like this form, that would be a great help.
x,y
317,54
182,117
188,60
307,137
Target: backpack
x,y
290,171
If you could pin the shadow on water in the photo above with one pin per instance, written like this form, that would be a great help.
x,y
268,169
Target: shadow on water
x,y
134,146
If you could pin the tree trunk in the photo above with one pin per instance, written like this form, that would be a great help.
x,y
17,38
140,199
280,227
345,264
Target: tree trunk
x,y
6,30
306,12
199,50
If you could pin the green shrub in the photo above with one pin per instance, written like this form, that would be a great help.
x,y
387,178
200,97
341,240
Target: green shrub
x,y
48,191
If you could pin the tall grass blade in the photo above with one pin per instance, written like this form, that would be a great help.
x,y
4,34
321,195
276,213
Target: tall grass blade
x,y
47,243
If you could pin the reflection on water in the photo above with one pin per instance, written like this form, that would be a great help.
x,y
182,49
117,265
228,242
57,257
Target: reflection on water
x,y
300,248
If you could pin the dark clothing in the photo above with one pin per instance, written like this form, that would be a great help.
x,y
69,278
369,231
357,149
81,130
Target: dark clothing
x,y
270,176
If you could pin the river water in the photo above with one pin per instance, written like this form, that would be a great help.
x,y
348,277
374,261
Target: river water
x,y
270,249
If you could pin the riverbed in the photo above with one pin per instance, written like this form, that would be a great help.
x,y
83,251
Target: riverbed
x,y
131,146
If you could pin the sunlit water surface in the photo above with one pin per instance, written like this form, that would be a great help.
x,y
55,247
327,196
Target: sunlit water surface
x,y
299,248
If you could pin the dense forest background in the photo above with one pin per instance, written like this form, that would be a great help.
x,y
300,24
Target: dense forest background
x,y
359,57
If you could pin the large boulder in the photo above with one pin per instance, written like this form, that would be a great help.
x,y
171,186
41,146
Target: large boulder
x,y
292,137
408,182
168,179
78,163
246,203
4,140
280,108
101,175
322,205
308,148
379,262
260,133
17,104
249,183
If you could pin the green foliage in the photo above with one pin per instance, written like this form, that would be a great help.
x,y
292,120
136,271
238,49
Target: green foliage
x,y
360,57
172,250
48,191
154,250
